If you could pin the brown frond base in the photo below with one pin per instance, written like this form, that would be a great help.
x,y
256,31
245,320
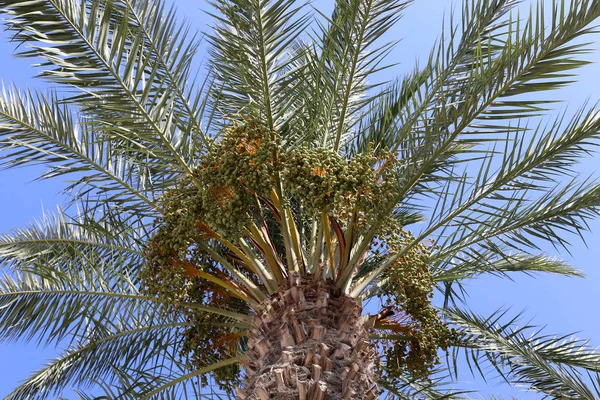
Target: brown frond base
x,y
309,342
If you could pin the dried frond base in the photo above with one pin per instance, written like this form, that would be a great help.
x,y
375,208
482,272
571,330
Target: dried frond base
x,y
309,342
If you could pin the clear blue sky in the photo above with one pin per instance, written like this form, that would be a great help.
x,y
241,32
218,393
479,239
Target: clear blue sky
x,y
563,305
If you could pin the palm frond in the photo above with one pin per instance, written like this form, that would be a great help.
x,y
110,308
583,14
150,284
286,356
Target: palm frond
x,y
251,55
93,46
474,212
561,210
58,238
129,385
50,310
108,322
131,344
169,45
36,129
347,58
435,388
64,272
182,379
533,55
405,104
477,105
472,264
524,356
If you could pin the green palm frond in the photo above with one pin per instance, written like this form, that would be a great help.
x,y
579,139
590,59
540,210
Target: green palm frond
x,y
37,129
123,84
62,273
559,211
479,210
127,345
477,106
472,213
182,379
487,109
169,45
497,262
126,387
250,50
67,270
51,306
347,57
527,164
59,238
407,103
74,282
108,321
517,224
419,389
523,355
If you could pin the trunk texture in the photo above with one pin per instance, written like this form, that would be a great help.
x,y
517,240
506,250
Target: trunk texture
x,y
309,341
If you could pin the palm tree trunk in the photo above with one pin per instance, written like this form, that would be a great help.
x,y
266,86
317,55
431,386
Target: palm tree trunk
x,y
308,341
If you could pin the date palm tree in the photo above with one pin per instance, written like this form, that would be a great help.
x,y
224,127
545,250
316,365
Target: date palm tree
x,y
225,232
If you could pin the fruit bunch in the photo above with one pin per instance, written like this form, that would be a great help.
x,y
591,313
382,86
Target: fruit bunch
x,y
415,329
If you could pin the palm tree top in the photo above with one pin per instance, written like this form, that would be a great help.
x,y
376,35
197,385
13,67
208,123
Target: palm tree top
x,y
197,203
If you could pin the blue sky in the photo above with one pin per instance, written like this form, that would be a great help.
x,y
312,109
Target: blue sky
x,y
563,305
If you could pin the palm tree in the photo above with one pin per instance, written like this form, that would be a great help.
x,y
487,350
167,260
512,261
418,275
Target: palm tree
x,y
227,231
